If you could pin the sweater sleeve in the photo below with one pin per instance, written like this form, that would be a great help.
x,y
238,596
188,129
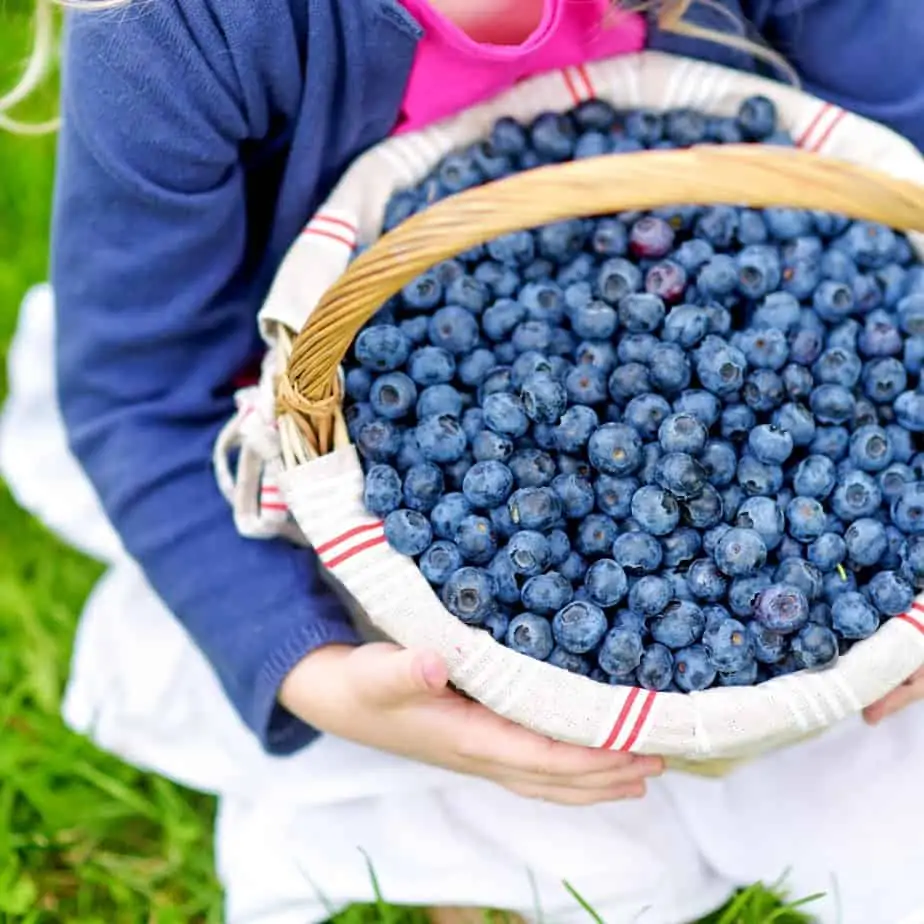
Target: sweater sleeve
x,y
865,56
156,316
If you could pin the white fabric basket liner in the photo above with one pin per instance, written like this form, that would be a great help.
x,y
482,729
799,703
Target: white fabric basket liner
x,y
324,496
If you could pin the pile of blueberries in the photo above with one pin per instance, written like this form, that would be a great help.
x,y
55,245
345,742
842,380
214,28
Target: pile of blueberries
x,y
670,449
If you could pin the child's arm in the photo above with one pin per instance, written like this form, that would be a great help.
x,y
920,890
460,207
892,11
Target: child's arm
x,y
866,55
150,234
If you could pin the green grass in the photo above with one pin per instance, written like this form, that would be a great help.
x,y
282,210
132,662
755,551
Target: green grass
x,y
83,837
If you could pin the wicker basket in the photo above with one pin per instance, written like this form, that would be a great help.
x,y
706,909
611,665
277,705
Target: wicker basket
x,y
320,475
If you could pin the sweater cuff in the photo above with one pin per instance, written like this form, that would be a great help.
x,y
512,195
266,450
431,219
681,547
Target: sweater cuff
x,y
282,733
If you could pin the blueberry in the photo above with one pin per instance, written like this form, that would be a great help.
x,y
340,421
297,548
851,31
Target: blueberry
x,y
853,617
579,627
880,335
649,595
686,325
770,445
827,551
907,509
681,547
530,635
806,518
740,552
615,449
651,238
759,271
382,490
912,567
598,354
732,498
893,479
890,593
487,446
586,385
693,254
595,535
737,421
616,278
870,448
424,293
534,508
628,381
498,380
358,384
546,593
798,421
801,574
497,622
408,531
704,511
757,118
431,365
746,677
705,581
669,368
645,126
639,313
529,553
788,224
909,411
656,668
797,381
574,567
504,414
576,426
565,660
378,440
614,495
831,442
758,479
423,487
501,318
356,415
646,413
884,379
487,484
681,624
439,561
448,513
718,225
857,495
656,511
728,645
681,475
692,669
702,405
439,399
866,541
552,136
815,646
682,432
815,476
620,652
605,582
609,238
722,370
576,495
532,468
637,552
765,348
765,517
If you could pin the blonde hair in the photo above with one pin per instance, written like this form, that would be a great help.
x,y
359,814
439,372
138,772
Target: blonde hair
x,y
670,13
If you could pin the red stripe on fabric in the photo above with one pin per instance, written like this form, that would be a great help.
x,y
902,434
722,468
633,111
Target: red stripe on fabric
x,y
569,83
828,131
588,84
621,719
362,547
907,617
269,489
349,534
640,721
340,222
320,232
918,606
800,141
274,506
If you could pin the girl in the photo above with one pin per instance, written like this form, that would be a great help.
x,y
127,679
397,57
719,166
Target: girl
x,y
197,138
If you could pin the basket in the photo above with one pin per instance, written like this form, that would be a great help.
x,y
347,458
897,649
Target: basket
x,y
325,296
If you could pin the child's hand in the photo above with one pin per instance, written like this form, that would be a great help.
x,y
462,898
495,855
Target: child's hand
x,y
912,689
396,700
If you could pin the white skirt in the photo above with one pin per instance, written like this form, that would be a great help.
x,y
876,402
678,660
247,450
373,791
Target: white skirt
x,y
296,836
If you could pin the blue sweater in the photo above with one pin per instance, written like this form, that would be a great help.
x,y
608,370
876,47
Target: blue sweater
x,y
198,137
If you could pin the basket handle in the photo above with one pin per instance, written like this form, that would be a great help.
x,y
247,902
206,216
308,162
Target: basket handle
x,y
752,175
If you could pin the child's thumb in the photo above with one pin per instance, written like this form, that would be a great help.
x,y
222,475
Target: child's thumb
x,y
401,674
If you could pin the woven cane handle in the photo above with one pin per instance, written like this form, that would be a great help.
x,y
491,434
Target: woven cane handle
x,y
751,175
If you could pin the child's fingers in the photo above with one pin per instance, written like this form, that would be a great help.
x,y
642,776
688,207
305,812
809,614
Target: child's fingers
x,y
487,739
910,691
564,795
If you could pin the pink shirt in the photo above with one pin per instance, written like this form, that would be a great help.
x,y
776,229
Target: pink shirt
x,y
570,33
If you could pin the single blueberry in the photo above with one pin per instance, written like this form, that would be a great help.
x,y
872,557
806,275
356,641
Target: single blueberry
x,y
408,531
